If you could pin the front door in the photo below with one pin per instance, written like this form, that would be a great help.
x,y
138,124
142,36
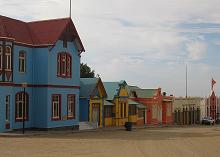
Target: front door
x,y
96,113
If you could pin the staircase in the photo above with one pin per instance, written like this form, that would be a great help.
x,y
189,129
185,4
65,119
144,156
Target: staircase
x,y
87,125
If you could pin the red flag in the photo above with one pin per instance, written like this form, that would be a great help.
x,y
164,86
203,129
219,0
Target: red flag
x,y
213,83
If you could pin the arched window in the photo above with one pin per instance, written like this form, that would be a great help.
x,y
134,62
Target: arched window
x,y
21,106
1,57
8,58
64,65
22,61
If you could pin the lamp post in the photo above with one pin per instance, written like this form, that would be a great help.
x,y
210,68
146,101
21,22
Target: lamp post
x,y
24,85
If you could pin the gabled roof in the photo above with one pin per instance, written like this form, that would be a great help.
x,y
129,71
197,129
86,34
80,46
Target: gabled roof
x,y
112,88
88,87
39,33
142,93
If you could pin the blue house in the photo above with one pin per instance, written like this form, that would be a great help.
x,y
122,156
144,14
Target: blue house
x,y
39,74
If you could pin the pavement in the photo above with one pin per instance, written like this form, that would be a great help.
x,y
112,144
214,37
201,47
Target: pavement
x,y
18,133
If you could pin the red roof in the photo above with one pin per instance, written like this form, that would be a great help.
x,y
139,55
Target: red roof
x,y
38,33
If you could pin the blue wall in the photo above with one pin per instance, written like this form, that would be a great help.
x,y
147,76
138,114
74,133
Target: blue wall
x,y
41,69
84,110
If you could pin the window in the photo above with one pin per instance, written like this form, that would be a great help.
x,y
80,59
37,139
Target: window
x,y
121,104
1,57
21,100
125,110
64,63
169,109
22,61
56,107
141,113
108,111
154,111
7,107
71,99
132,110
8,58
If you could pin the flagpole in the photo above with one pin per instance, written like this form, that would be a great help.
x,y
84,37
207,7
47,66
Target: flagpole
x,y
70,8
186,82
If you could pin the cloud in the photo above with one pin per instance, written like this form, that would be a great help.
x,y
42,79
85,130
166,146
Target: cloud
x,y
196,50
145,42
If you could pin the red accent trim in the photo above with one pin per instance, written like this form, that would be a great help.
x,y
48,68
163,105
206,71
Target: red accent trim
x,y
38,86
74,107
56,119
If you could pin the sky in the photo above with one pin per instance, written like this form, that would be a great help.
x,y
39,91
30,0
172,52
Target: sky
x,y
146,42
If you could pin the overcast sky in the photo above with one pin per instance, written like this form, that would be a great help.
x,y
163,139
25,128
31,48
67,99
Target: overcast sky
x,y
145,42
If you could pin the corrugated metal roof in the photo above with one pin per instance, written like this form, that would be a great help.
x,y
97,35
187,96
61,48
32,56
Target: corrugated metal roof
x,y
87,86
131,102
146,93
112,88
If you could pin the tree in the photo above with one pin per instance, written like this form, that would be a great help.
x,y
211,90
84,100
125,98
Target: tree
x,y
86,72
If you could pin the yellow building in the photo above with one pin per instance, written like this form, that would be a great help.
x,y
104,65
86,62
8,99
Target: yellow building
x,y
116,104
92,95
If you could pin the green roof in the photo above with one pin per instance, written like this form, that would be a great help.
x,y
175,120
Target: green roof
x,y
87,86
112,89
142,93
146,93
131,102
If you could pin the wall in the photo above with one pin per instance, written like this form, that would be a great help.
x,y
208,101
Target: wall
x,y
83,110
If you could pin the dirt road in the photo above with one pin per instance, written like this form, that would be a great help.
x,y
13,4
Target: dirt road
x,y
150,142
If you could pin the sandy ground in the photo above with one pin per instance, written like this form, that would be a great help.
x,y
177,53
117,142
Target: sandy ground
x,y
150,142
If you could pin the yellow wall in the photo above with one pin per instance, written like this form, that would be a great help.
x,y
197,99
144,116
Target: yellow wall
x,y
121,119
133,118
97,101
108,122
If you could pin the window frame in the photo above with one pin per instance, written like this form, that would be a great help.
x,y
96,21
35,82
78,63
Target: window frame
x,y
108,111
58,116
64,65
73,106
19,102
8,58
132,110
1,57
7,108
22,67
121,110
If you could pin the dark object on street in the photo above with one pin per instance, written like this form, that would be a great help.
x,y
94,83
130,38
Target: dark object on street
x,y
208,121
128,126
